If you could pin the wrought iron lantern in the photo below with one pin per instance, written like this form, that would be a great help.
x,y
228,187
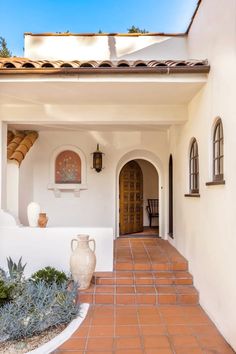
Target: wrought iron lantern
x,y
97,159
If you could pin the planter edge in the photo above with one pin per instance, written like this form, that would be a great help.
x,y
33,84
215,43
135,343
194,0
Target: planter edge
x,y
54,343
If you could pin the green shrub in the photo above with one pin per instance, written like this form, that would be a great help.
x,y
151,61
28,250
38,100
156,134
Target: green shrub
x,y
49,275
39,307
5,292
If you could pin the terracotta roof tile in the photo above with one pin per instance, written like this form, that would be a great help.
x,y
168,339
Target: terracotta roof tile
x,y
19,143
24,66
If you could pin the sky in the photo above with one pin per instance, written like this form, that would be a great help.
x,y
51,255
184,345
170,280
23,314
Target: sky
x,y
82,16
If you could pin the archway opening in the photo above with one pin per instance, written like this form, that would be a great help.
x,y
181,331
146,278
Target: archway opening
x,y
138,199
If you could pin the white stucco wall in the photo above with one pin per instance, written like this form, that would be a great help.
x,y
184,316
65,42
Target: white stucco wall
x,y
103,47
96,206
42,247
204,227
150,188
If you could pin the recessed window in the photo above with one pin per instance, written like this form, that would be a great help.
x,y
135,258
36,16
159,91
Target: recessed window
x,y
218,152
194,168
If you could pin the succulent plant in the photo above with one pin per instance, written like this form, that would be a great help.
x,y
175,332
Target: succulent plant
x,y
15,270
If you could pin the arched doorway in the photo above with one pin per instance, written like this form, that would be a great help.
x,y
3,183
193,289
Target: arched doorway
x,y
155,162
171,196
138,198
131,198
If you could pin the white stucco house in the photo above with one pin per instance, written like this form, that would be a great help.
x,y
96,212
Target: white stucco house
x,y
165,101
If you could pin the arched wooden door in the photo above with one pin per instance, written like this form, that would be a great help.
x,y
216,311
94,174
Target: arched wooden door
x,y
131,198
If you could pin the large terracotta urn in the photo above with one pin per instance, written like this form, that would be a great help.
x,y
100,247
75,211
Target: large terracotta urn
x,y
82,260
33,211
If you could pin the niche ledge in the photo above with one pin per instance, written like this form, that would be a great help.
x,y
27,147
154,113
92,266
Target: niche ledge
x,y
58,189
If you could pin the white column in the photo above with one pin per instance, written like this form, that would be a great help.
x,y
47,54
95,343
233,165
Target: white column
x,y
3,164
12,187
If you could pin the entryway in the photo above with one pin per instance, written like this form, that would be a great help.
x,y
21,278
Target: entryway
x,y
138,194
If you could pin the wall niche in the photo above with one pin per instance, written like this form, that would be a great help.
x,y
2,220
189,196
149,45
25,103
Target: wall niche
x,y
68,170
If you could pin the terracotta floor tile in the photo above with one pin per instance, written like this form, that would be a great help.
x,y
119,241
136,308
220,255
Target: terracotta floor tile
x,y
179,329
175,320
124,281
145,290
127,320
125,289
131,351
145,299
158,351
125,299
128,342
105,289
74,344
81,332
152,329
156,342
187,299
102,321
183,341
105,343
166,290
126,331
150,320
204,329
144,281
191,351
101,331
166,299
104,299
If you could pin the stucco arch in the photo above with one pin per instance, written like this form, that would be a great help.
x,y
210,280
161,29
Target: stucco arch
x,y
156,162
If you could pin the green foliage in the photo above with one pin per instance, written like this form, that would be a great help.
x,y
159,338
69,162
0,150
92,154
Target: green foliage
x,y
5,292
15,270
134,29
4,51
2,274
50,275
39,307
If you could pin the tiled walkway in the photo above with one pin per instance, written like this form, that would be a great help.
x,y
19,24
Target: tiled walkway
x,y
137,327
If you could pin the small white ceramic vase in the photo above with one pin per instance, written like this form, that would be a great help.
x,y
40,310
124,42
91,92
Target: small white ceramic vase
x,y
33,211
82,261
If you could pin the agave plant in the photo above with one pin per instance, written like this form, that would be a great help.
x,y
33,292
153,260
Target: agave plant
x,y
15,270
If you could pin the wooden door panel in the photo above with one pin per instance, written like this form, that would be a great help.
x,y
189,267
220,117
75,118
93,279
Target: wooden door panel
x,y
131,198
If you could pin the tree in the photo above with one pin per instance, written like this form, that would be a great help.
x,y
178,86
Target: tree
x,y
134,29
4,51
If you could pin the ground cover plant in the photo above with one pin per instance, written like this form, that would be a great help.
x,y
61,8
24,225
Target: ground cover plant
x,y
30,306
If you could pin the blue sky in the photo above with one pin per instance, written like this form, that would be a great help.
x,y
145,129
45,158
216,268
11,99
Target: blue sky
x,y
19,16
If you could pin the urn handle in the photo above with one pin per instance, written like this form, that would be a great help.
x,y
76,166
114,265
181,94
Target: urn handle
x,y
71,244
94,244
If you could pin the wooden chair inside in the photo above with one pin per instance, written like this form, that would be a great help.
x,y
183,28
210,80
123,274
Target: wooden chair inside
x,y
152,209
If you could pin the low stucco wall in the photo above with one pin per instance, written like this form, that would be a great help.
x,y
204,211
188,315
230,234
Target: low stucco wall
x,y
41,247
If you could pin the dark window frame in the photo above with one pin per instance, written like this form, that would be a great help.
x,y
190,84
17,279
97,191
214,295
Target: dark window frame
x,y
218,152
194,168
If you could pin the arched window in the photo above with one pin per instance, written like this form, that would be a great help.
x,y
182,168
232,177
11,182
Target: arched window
x,y
194,168
67,168
218,152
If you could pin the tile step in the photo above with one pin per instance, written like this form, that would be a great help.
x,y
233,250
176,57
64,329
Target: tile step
x,y
99,294
145,266
142,278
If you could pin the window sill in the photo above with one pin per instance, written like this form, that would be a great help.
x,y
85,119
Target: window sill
x,y
193,195
215,183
